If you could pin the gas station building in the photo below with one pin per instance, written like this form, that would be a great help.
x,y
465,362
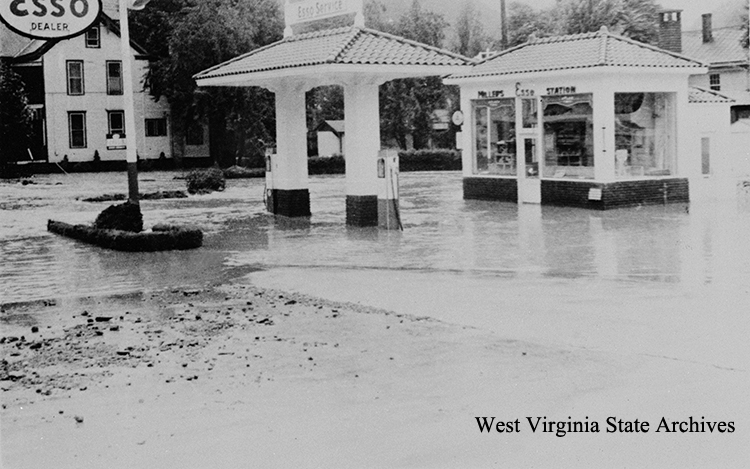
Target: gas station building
x,y
590,120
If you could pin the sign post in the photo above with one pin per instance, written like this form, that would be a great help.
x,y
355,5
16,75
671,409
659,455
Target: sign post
x,y
127,77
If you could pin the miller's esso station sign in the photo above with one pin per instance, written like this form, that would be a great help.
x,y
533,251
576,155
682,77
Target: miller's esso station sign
x,y
50,19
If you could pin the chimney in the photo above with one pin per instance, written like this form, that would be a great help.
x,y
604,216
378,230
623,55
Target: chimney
x,y
707,36
670,30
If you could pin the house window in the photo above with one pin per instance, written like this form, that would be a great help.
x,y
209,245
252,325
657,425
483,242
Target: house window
x,y
77,129
114,77
495,136
116,120
156,127
93,38
714,80
644,134
568,136
194,134
75,77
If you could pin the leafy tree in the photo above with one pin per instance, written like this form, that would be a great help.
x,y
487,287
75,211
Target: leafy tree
x,y
406,105
195,35
631,18
523,22
745,41
470,38
15,118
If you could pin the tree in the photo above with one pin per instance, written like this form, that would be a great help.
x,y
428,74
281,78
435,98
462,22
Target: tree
x,y
406,105
524,21
470,38
745,41
631,18
15,118
199,34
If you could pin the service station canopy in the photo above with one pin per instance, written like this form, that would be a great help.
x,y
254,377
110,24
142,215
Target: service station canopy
x,y
333,57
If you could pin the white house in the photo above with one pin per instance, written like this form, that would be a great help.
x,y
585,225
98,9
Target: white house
x,y
75,88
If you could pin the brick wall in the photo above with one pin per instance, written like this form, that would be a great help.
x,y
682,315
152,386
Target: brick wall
x,y
290,203
615,194
362,210
502,189
670,30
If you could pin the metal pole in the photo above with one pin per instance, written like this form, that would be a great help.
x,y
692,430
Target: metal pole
x,y
130,128
503,26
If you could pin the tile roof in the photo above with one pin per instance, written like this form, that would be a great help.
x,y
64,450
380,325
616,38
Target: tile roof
x,y
13,45
599,49
725,48
702,95
350,45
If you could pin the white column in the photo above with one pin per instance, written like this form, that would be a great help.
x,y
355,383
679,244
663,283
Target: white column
x,y
604,135
290,163
362,142
467,130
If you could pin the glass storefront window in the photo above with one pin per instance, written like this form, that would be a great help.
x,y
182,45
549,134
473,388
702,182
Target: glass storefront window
x,y
644,134
495,136
568,136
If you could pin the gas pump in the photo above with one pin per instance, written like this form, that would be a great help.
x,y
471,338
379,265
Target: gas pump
x,y
268,197
389,216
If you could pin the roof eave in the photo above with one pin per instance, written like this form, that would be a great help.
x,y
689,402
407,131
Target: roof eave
x,y
329,73
461,79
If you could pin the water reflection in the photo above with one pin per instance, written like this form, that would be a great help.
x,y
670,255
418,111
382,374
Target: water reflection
x,y
673,244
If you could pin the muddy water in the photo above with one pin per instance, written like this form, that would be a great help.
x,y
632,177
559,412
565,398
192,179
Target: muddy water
x,y
678,245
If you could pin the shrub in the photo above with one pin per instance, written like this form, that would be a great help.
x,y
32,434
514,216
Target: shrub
x,y
333,164
204,181
429,160
161,238
123,217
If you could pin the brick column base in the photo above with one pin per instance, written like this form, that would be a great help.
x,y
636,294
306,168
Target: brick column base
x,y
362,210
289,203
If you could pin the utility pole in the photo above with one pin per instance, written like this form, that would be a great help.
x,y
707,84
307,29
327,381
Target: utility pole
x,y
504,26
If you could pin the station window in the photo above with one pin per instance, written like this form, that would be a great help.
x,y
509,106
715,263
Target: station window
x,y
114,77
705,156
93,38
77,129
116,122
644,134
495,136
75,77
568,136
156,127
194,134
714,81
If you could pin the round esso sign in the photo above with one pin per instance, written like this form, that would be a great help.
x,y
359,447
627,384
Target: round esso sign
x,y
50,19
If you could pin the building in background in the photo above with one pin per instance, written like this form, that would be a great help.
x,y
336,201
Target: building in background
x,y
721,49
75,89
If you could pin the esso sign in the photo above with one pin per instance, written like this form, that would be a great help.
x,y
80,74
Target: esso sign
x,y
50,19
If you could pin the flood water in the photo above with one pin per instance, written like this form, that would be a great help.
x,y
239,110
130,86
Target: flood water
x,y
685,246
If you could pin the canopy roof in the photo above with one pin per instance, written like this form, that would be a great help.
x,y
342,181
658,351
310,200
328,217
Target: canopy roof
x,y
702,95
578,51
332,55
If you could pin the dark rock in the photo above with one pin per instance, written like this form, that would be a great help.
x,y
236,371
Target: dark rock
x,y
103,318
34,329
